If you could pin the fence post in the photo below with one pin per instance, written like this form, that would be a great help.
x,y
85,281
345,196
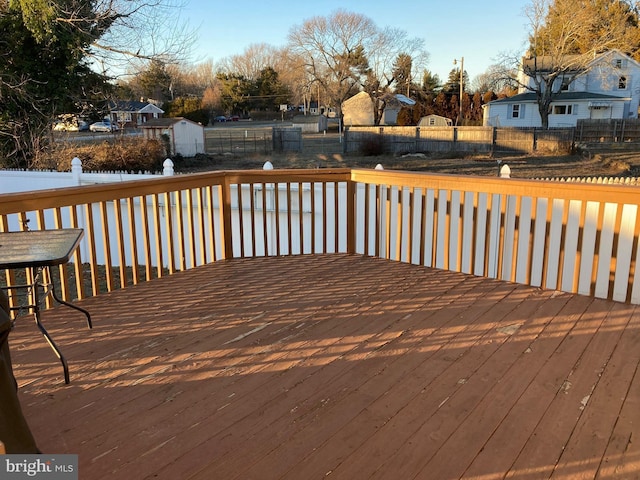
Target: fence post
x,y
76,170
168,168
454,139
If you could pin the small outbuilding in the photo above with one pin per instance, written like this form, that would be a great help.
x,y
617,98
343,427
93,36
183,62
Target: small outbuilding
x,y
311,123
435,121
358,110
184,136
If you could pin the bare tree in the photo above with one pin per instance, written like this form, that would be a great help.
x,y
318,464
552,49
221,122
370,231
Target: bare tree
x,y
395,60
255,58
332,52
494,79
346,52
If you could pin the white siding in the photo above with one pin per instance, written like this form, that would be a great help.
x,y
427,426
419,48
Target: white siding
x,y
604,78
188,138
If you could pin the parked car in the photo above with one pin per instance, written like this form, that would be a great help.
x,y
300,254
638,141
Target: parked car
x,y
103,127
233,118
220,118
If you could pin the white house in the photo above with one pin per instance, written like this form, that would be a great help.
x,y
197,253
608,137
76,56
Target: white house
x,y
609,88
358,110
184,136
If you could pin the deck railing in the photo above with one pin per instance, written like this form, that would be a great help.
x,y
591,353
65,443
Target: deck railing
x,y
571,237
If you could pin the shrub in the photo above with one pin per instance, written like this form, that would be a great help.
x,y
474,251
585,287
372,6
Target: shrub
x,y
119,154
372,146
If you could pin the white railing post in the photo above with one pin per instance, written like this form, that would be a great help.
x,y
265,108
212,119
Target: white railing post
x,y
168,168
76,170
505,171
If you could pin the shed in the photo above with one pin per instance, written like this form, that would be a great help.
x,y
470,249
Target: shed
x,y
311,123
185,137
358,110
435,121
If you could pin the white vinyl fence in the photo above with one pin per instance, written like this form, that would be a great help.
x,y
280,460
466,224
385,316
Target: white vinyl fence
x,y
12,181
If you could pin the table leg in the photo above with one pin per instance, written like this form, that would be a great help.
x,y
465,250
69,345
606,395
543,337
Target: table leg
x,y
70,305
52,344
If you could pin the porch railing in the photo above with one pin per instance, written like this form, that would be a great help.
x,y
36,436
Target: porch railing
x,y
571,237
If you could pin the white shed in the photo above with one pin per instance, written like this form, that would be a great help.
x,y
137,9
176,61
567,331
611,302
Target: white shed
x,y
185,137
311,123
435,121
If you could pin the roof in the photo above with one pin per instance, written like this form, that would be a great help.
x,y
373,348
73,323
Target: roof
x,y
134,106
546,63
166,122
404,99
560,97
392,99
307,118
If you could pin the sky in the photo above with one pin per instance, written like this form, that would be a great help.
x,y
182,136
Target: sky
x,y
475,30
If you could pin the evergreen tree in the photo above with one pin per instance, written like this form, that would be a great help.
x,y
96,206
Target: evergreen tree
x,y
269,92
47,50
43,72
430,82
452,85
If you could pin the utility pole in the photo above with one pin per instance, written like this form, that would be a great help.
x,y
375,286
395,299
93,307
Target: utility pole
x,y
455,61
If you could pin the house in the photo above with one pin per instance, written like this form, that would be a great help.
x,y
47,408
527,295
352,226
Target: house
x,y
435,121
126,113
358,110
184,137
608,88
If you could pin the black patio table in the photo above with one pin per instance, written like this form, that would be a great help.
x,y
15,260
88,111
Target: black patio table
x,y
37,250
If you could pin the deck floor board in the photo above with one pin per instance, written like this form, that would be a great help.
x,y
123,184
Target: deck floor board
x,y
337,366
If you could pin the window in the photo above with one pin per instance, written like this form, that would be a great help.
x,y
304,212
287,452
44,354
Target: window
x,y
516,111
622,83
565,109
619,63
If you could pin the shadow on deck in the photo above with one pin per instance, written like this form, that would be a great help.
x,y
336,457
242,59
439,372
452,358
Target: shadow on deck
x,y
337,366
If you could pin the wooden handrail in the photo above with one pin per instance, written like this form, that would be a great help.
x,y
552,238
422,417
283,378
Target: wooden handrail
x,y
575,237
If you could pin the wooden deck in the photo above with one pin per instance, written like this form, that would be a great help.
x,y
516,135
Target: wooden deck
x,y
337,366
